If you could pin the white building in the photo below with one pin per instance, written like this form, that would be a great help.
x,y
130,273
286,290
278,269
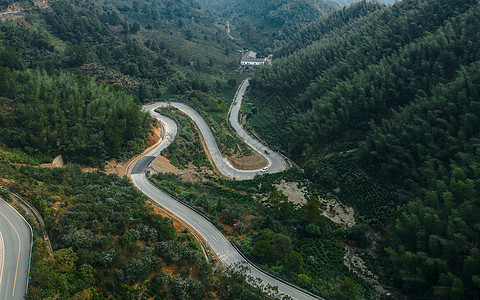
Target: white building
x,y
250,61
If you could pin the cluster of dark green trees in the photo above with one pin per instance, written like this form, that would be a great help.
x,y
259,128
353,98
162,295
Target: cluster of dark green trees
x,y
404,82
69,115
336,82
335,21
434,147
294,242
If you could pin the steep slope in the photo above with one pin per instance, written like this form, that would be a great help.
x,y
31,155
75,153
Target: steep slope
x,y
270,23
307,78
395,94
324,25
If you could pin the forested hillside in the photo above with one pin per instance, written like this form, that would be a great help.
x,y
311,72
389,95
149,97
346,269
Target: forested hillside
x,y
378,105
348,2
108,242
183,54
69,115
266,24
336,21
321,77
50,56
395,94
73,77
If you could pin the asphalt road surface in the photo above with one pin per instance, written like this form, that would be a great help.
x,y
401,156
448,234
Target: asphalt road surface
x,y
216,241
275,162
16,235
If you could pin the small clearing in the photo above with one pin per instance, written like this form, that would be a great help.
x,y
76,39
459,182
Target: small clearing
x,y
355,263
338,213
193,174
292,191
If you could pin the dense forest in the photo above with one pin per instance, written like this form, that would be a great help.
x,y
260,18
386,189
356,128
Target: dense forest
x,y
317,29
65,114
268,24
397,88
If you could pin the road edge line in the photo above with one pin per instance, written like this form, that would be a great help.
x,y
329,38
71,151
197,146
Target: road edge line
x,y
31,244
3,255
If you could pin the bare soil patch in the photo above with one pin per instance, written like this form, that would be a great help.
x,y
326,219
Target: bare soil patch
x,y
252,162
338,213
293,192
114,167
154,135
193,174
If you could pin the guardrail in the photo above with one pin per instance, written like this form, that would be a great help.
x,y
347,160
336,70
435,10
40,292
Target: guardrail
x,y
174,119
274,276
31,244
209,219
35,212
200,212
276,149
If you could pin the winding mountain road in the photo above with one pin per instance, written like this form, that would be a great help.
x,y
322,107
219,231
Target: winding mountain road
x,y
16,240
225,251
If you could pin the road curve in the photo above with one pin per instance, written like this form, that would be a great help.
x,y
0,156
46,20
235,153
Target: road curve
x,y
17,245
275,162
216,240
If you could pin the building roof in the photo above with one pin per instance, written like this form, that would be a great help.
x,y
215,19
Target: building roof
x,y
250,59
249,55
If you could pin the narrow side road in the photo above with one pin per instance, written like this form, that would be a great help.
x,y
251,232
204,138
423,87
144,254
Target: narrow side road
x,y
17,236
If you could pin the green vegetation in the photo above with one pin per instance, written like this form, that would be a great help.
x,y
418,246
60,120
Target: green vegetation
x,y
105,42
434,150
336,21
265,24
382,112
379,104
108,242
294,242
67,114
109,37
187,146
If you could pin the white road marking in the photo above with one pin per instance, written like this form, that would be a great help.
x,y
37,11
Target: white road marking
x,y
3,256
19,249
